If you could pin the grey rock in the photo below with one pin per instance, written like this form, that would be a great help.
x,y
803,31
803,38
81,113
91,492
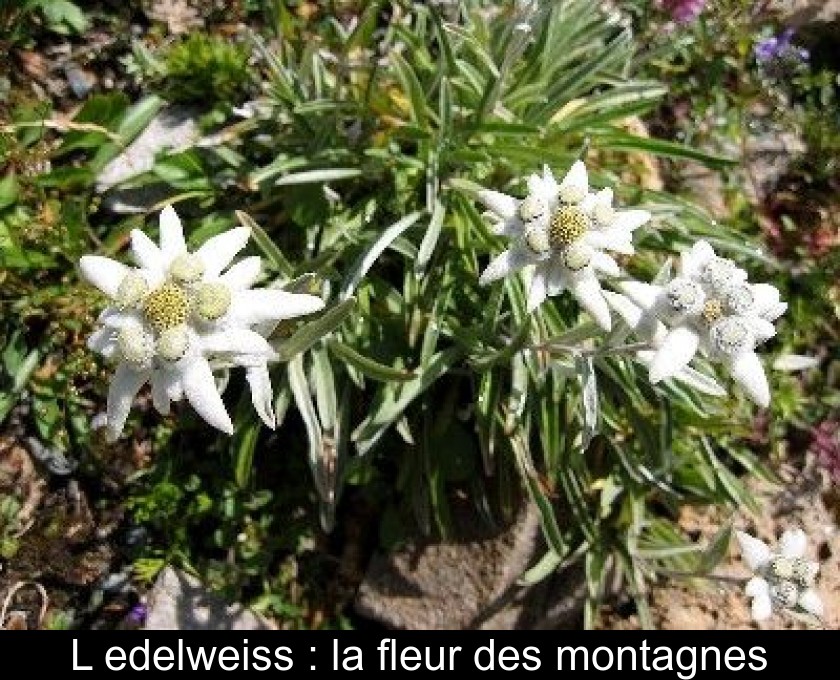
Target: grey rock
x,y
173,129
470,582
179,601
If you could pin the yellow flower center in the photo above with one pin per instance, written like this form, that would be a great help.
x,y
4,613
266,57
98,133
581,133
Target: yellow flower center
x,y
166,307
712,311
568,224
212,301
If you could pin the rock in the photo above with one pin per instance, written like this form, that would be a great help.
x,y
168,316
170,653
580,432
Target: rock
x,y
801,12
470,581
173,129
178,601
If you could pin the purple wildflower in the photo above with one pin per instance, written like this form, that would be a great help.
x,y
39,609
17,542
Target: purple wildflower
x,y
825,444
779,47
138,614
683,11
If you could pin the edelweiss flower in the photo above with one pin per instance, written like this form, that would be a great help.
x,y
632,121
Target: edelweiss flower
x,y
562,229
784,578
176,312
712,308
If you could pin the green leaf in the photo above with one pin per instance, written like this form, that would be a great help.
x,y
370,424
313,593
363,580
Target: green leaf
x,y
430,238
372,369
318,176
8,191
412,87
375,249
265,244
716,551
661,147
313,331
131,124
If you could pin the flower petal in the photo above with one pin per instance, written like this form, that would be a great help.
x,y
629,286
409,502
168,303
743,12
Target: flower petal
x,y
762,607
630,220
757,587
124,386
218,251
754,552
643,294
103,272
243,274
587,291
543,187
747,371
576,181
503,205
261,395
811,602
611,238
102,342
538,291
236,341
172,243
644,324
605,264
793,542
691,261
200,391
766,298
509,262
160,397
761,328
270,304
146,253
678,348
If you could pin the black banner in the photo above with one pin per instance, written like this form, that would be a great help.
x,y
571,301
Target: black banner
x,y
683,655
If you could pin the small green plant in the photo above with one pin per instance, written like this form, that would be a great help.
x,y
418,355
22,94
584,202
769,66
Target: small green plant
x,y
206,67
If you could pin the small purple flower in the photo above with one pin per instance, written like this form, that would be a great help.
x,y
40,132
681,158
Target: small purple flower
x,y
138,614
683,11
825,444
779,47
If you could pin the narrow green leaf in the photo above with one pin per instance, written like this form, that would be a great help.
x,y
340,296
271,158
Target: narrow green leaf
x,y
318,176
372,369
313,331
265,244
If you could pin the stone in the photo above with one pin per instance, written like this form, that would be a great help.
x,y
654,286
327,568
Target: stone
x,y
179,601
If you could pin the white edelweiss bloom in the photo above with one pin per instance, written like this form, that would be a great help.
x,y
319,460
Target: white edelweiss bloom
x,y
784,578
177,312
710,307
563,231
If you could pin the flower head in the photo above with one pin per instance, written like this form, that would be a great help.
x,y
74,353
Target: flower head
x,y
562,230
176,312
709,307
683,11
779,48
784,578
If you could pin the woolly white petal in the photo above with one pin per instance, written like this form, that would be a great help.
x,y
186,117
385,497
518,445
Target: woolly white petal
x,y
538,290
103,272
236,341
754,552
556,279
757,587
261,395
691,261
766,297
587,291
146,253
172,243
762,607
747,371
510,228
200,391
811,602
124,386
269,304
102,342
630,220
605,264
218,252
243,274
678,348
543,187
509,262
792,543
761,328
576,179
611,238
160,397
643,294
642,323
503,205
